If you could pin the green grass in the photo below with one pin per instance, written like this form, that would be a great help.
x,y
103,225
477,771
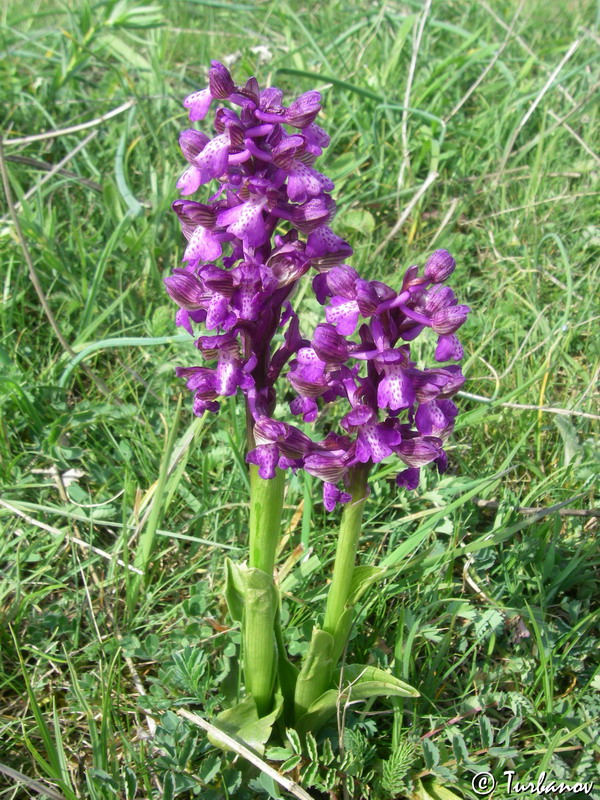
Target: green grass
x,y
503,645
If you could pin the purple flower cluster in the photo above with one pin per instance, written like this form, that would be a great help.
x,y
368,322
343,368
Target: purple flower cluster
x,y
263,157
395,408
266,178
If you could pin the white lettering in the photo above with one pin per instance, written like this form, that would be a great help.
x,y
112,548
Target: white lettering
x,y
541,787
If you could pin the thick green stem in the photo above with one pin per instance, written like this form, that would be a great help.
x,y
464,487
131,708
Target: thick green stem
x,y
345,558
260,645
266,504
328,643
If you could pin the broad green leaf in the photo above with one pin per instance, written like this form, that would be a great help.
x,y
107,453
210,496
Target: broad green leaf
x,y
287,673
361,683
356,674
243,724
317,668
359,220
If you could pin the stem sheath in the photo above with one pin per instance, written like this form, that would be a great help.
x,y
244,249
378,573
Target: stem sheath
x,y
260,645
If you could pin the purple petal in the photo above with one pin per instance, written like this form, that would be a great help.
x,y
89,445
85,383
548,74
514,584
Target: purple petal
x,y
419,451
246,222
448,348
220,82
409,478
185,289
395,390
439,266
202,246
192,143
430,419
329,345
198,104
305,182
343,314
306,406
332,495
265,456
212,161
191,179
448,320
327,466
303,111
342,281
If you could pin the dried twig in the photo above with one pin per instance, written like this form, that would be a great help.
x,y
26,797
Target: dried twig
x,y
528,49
574,134
73,128
36,163
545,88
563,512
32,783
244,752
565,412
447,217
56,168
417,35
527,206
74,539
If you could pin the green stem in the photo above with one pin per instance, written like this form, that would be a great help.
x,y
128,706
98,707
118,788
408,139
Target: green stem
x,y
266,504
343,569
260,645
327,644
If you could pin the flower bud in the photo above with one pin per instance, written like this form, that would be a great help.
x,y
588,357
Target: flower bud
x,y
304,110
192,143
329,345
220,81
314,213
448,320
185,289
439,266
419,451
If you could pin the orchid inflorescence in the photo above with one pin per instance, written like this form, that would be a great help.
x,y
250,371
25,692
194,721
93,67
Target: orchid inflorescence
x,y
263,157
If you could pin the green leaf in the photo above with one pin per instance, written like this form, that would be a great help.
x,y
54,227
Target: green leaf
x,y
487,732
130,783
243,724
363,577
358,675
459,748
317,668
234,590
571,443
432,790
169,786
362,684
294,740
431,753
290,764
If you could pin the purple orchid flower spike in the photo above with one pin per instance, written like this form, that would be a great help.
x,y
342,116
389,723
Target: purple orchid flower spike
x,y
262,157
268,223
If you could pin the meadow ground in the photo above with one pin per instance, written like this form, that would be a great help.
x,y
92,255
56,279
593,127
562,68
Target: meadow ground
x,y
466,125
